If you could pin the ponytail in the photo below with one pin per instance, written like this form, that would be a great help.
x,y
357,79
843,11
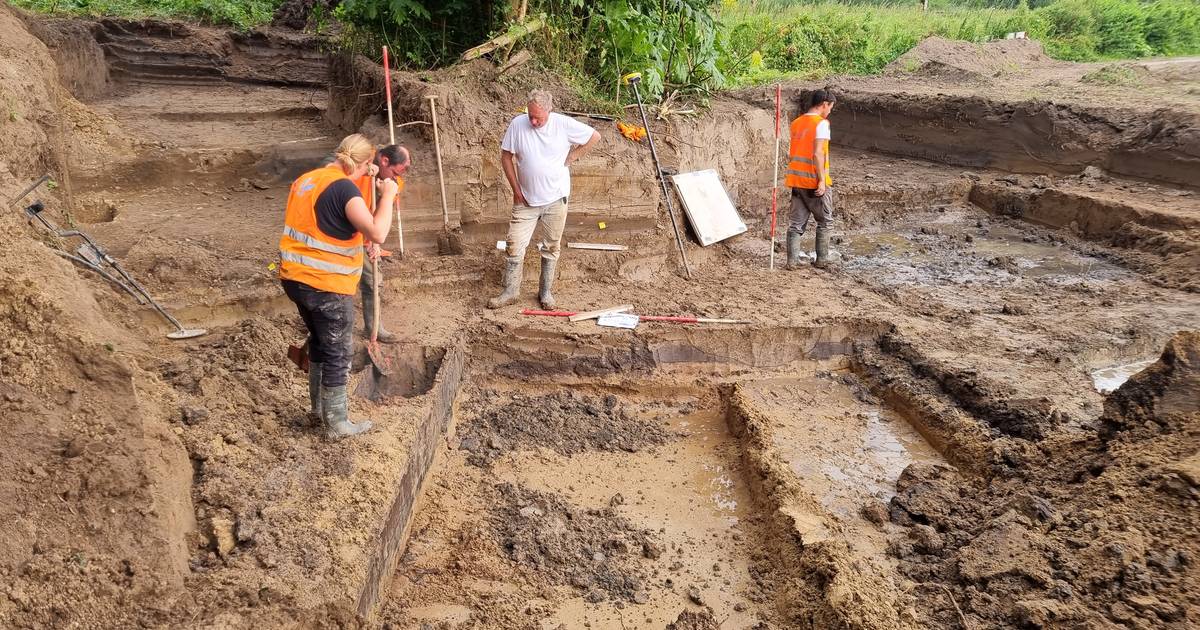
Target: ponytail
x,y
354,151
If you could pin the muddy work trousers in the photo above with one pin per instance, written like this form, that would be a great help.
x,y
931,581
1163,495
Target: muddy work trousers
x,y
805,202
330,321
366,284
552,217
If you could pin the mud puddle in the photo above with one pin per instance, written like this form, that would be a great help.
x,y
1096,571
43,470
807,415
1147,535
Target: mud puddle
x,y
842,444
964,247
1108,379
677,524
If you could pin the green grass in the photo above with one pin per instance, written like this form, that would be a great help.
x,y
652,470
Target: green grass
x,y
797,38
241,14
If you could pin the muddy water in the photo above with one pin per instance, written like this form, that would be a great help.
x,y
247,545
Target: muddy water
x,y
689,492
844,447
1109,378
962,246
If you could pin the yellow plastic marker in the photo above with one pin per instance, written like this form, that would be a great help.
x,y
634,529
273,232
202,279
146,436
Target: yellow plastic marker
x,y
602,225
272,267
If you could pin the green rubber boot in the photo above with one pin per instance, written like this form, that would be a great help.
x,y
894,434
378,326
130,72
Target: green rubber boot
x,y
547,280
335,405
512,284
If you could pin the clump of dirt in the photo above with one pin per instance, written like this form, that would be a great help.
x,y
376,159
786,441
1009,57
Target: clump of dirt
x,y
940,58
565,422
1101,533
594,550
693,620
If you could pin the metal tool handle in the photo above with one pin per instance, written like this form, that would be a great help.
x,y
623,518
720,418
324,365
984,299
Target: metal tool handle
x,y
374,281
662,180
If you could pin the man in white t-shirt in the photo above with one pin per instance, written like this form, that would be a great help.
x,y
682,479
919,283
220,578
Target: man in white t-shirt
x,y
536,152
808,177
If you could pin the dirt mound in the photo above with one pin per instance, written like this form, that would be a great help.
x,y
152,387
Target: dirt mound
x,y
692,620
1106,538
940,58
596,551
565,422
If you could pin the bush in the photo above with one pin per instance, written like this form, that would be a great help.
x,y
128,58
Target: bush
x,y
1120,28
1173,27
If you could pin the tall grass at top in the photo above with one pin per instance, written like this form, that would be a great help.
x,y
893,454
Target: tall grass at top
x,y
767,38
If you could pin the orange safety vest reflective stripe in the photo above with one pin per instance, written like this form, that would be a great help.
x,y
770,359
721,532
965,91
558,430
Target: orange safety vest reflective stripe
x,y
306,253
802,168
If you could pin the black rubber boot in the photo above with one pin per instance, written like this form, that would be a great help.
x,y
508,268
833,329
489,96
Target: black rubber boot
x,y
335,406
544,295
795,255
512,284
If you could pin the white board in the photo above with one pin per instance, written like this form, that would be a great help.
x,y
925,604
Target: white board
x,y
707,206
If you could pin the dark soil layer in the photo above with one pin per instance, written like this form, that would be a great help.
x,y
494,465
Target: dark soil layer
x,y
1100,532
565,422
596,551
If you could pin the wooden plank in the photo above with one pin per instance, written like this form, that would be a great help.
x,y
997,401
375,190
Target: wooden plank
x,y
599,246
514,32
578,317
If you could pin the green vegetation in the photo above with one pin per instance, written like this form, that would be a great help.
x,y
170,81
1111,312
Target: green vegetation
x,y
861,38
693,46
243,14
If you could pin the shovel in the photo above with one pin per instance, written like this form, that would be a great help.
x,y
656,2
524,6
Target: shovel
x,y
382,363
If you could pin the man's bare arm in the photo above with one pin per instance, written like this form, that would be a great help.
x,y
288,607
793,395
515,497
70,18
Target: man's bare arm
x,y
510,173
578,150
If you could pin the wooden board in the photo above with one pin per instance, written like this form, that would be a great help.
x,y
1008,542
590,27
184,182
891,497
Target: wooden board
x,y
707,206
578,317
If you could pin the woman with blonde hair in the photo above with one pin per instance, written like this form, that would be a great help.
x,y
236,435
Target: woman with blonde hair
x,y
321,259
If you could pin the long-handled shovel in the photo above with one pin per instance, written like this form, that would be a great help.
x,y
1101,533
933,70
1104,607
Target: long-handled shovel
x,y
380,360
448,242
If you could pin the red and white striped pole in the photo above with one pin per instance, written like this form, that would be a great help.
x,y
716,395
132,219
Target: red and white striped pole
x,y
387,80
775,182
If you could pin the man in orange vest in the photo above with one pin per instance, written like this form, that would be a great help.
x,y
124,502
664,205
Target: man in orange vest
x,y
391,162
321,259
808,177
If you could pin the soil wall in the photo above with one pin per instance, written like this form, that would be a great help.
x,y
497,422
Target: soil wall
x,y
1021,137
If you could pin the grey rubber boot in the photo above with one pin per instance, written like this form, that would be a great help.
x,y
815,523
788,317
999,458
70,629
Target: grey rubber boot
x,y
544,295
795,255
823,261
512,284
383,335
314,391
335,405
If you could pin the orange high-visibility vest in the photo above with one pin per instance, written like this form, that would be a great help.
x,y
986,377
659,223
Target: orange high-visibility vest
x,y
802,169
309,255
364,186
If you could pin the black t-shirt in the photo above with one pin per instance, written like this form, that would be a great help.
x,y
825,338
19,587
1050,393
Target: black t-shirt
x,y
331,209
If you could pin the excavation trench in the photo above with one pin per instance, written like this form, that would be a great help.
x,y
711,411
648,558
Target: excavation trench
x,y
571,494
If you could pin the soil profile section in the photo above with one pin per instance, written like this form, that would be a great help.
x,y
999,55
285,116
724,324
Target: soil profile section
x,y
428,439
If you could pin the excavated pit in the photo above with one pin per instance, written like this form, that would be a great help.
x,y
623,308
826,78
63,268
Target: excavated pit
x,y
626,497
533,473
